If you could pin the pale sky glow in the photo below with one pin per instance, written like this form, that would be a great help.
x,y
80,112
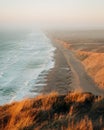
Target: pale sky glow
x,y
52,12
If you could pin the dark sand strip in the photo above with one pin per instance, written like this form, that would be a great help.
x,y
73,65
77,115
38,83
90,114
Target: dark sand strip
x,y
60,77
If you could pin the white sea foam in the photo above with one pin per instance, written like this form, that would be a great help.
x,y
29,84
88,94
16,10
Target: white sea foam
x,y
1,74
22,62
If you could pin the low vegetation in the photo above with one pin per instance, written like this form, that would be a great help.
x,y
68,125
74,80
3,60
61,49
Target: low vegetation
x,y
73,111
94,64
92,59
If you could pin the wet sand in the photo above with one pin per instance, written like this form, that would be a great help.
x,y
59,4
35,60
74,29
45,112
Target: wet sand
x,y
60,77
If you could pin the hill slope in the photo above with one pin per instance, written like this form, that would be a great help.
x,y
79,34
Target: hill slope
x,y
81,111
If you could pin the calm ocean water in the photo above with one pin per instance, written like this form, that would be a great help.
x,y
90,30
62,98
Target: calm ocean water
x,y
25,58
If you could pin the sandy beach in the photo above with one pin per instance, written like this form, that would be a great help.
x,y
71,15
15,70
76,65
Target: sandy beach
x,y
60,77
69,73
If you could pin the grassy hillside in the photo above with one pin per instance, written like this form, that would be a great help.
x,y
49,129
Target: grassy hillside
x,y
74,111
94,64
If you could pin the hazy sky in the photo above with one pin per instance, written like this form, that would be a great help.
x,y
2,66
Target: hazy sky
x,y
52,12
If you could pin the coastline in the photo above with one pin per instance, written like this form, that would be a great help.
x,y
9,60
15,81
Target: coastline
x,y
59,78
68,73
63,110
87,46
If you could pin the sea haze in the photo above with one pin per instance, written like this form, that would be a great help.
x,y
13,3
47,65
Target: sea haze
x,y
25,58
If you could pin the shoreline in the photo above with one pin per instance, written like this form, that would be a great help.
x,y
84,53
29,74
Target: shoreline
x,y
68,74
59,77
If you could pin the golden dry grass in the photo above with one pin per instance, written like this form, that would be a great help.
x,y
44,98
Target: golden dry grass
x,y
94,65
74,111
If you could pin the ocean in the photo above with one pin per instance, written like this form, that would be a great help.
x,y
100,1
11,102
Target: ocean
x,y
25,59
